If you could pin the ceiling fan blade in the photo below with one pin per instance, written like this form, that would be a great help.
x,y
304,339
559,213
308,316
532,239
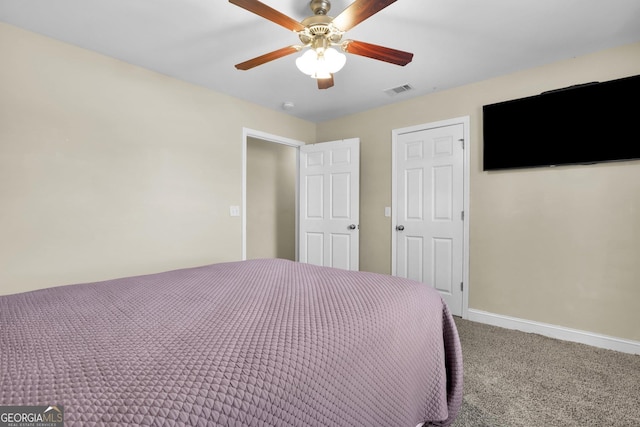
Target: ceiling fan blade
x,y
269,13
267,57
380,53
325,83
358,11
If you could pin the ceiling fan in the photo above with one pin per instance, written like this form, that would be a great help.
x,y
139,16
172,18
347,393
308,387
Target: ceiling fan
x,y
320,33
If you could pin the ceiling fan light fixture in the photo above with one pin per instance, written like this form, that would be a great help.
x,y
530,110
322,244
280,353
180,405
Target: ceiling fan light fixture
x,y
334,60
321,63
307,62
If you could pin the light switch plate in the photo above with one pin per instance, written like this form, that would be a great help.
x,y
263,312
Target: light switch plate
x,y
387,211
234,210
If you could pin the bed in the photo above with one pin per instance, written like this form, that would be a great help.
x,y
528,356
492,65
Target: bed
x,y
249,343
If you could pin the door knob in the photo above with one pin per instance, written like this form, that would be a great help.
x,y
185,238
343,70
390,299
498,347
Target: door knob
x,y
352,227
399,227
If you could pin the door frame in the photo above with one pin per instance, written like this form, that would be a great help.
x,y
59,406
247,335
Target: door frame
x,y
465,122
269,138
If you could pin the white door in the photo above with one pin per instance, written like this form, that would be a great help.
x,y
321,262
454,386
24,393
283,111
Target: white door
x,y
429,227
329,175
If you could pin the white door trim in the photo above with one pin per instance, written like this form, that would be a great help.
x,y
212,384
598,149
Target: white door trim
x,y
251,133
465,121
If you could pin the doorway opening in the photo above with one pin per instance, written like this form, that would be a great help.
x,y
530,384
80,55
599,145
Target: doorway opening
x,y
270,196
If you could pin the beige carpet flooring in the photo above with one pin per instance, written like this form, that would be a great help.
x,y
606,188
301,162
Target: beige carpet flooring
x,y
513,379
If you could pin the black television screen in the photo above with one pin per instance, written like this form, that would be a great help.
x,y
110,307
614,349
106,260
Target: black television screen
x,y
583,124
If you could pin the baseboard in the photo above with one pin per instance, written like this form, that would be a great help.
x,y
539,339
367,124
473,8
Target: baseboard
x,y
554,331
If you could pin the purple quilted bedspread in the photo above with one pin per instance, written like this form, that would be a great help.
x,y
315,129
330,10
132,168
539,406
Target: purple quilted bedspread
x,y
252,343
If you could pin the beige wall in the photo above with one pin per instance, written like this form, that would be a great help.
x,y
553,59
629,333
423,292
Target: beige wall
x,y
271,200
559,245
110,170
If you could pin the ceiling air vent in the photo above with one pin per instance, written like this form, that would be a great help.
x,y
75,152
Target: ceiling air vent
x,y
396,90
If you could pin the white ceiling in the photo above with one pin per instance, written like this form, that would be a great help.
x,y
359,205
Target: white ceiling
x,y
454,42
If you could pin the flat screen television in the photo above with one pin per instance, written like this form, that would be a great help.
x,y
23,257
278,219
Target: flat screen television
x,y
582,124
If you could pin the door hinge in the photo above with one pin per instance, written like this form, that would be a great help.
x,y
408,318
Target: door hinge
x,y
461,286
462,215
462,142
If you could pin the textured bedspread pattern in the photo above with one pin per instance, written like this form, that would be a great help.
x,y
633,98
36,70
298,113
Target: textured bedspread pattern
x,y
252,343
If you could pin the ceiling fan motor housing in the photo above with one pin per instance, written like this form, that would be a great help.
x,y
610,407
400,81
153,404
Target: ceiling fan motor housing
x,y
319,26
